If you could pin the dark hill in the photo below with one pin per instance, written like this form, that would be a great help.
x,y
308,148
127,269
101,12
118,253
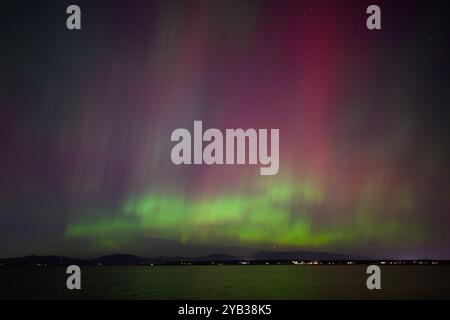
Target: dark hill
x,y
128,259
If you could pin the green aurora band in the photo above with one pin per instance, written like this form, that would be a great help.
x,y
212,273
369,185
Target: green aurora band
x,y
280,214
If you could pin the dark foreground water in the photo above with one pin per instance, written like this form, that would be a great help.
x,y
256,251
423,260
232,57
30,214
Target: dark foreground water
x,y
226,282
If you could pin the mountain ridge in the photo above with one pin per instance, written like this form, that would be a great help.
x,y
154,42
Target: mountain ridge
x,y
129,259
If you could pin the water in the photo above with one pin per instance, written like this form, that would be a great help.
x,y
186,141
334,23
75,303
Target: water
x,y
226,282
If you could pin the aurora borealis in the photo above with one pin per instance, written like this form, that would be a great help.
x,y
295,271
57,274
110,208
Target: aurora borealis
x,y
86,118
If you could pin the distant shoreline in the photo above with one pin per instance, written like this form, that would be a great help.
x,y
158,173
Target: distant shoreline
x,y
260,258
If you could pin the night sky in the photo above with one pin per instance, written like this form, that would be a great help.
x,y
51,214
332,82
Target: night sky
x,y
86,118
